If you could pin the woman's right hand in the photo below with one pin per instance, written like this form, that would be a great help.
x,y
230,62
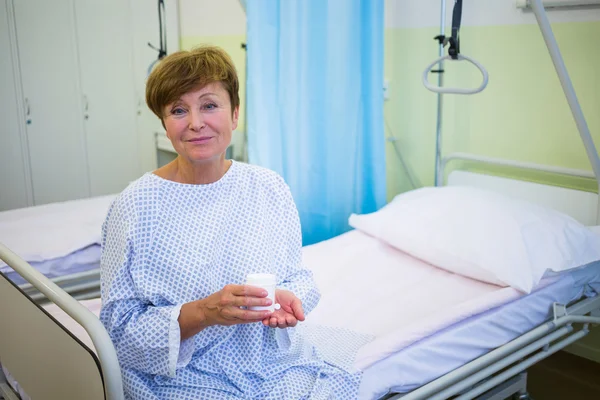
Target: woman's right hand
x,y
223,308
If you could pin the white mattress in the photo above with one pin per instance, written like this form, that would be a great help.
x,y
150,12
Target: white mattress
x,y
426,322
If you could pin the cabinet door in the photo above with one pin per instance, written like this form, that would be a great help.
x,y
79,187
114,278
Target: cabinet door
x,y
105,42
15,186
49,73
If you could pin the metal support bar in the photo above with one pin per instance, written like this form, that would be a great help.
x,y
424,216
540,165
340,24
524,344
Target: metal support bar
x,y
92,274
579,173
514,385
505,362
430,389
522,366
567,85
438,126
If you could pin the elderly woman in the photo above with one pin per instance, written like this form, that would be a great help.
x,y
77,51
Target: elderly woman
x,y
178,244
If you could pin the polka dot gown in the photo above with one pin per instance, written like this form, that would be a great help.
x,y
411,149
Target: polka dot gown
x,y
165,244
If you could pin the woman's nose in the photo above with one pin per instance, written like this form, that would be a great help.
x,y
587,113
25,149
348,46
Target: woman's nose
x,y
196,121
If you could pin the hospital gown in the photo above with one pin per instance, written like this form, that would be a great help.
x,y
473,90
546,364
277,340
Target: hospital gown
x,y
167,243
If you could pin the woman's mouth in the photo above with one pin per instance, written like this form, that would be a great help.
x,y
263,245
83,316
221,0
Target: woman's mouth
x,y
200,140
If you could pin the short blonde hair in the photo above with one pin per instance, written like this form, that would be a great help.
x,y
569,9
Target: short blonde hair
x,y
183,71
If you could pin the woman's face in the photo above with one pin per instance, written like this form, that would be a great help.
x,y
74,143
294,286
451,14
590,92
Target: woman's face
x,y
200,123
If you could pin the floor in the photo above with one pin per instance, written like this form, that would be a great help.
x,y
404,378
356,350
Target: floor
x,y
564,376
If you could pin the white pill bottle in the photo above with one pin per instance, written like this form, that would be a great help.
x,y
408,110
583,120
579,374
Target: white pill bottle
x,y
267,282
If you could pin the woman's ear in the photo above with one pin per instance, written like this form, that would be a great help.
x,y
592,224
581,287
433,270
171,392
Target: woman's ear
x,y
235,117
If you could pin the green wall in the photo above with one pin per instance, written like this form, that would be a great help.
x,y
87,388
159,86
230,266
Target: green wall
x,y
521,115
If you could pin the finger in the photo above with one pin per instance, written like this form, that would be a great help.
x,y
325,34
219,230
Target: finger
x,y
282,324
297,308
245,315
246,290
245,301
273,322
287,308
290,321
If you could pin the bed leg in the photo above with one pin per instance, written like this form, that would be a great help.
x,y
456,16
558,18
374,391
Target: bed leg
x,y
522,394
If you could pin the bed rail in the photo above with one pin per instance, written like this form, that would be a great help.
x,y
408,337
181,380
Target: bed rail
x,y
578,173
80,286
107,356
477,377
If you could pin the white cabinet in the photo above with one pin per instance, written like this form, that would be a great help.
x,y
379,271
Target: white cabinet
x,y
15,190
109,98
72,76
49,77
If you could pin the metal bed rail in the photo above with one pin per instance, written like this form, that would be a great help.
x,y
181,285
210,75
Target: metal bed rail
x,y
477,376
81,286
578,173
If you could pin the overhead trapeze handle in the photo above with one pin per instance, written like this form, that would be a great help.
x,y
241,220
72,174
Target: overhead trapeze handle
x,y
459,57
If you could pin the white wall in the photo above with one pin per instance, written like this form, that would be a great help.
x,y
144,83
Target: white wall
x,y
211,18
426,13
227,17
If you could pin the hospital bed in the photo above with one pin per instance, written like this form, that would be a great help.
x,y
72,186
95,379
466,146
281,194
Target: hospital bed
x,y
475,341
60,240
434,334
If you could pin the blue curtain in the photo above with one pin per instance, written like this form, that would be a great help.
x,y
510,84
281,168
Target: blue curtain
x,y
315,105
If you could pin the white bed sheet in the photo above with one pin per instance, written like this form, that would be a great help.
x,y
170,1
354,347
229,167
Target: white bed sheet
x,y
416,341
454,346
54,230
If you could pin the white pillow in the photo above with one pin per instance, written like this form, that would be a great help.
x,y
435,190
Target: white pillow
x,y
482,235
595,229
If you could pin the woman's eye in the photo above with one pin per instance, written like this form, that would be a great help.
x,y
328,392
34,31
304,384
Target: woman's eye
x,y
210,106
177,111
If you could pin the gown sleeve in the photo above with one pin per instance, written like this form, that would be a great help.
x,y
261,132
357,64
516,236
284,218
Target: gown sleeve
x,y
146,337
297,279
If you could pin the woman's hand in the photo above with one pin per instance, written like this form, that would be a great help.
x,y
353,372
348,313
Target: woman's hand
x,y
290,312
223,308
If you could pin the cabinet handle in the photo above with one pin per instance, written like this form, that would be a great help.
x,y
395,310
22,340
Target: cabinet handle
x,y
86,107
27,111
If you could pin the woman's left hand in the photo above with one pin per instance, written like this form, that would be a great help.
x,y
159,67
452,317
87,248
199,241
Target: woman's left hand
x,y
290,312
